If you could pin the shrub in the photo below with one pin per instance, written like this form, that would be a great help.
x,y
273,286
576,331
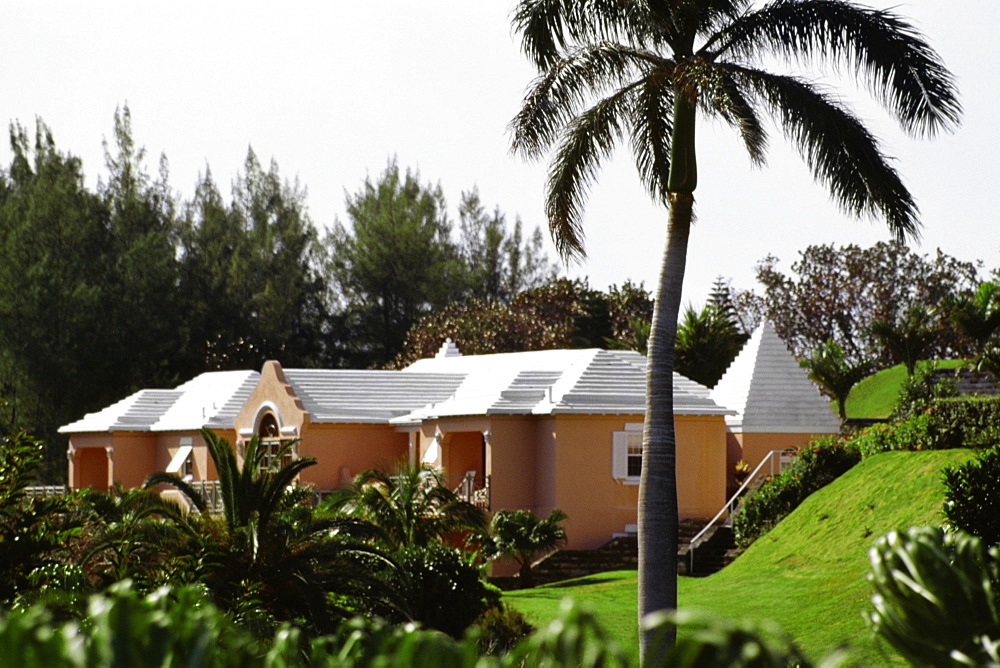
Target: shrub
x,y
936,597
916,433
966,422
441,590
813,467
919,392
972,496
499,629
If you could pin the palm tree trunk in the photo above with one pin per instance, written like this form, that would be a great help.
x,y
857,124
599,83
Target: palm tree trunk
x,y
658,485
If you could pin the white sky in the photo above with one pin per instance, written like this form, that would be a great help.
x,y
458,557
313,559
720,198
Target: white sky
x,y
331,90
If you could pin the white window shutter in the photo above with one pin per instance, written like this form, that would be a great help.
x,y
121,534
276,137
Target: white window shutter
x,y
619,455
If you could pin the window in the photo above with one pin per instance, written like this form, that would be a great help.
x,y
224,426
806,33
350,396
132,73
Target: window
x,y
271,444
626,454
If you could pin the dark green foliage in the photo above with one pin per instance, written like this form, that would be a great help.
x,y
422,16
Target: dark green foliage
x,y
250,274
976,315
499,629
835,373
967,422
813,467
522,536
272,557
909,339
499,263
708,640
972,496
411,506
920,391
708,342
395,263
441,590
35,533
936,597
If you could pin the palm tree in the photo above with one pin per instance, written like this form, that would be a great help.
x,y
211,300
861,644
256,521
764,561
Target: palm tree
x,y
977,316
641,71
411,505
272,555
829,368
910,339
707,343
520,535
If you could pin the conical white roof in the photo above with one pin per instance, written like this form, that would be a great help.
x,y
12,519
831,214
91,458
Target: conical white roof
x,y
770,392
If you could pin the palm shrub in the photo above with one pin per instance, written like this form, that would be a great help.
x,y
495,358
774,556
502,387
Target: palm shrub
x,y
271,557
972,496
411,505
522,536
936,597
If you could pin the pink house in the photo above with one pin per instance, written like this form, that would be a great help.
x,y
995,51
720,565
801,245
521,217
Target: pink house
x,y
534,430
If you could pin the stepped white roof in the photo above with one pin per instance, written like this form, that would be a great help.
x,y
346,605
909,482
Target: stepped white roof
x,y
552,382
546,382
770,392
212,399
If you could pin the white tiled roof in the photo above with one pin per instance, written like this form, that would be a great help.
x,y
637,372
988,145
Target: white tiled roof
x,y
588,381
770,392
338,395
205,400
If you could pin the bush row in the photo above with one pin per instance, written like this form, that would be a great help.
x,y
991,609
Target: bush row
x,y
972,422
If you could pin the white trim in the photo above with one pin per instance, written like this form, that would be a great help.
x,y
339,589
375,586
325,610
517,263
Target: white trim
x,y
179,458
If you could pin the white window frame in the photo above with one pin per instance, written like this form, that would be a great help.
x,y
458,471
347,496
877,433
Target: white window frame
x,y
626,445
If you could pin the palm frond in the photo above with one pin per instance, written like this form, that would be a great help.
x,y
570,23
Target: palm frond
x,y
722,97
652,130
839,150
181,485
550,27
882,49
588,139
555,98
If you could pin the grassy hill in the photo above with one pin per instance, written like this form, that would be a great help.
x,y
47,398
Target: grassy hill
x,y
808,574
875,396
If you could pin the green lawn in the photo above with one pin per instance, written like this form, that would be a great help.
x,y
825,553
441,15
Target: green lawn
x,y
808,574
875,396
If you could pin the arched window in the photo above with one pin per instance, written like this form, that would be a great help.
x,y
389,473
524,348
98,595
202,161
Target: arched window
x,y
271,443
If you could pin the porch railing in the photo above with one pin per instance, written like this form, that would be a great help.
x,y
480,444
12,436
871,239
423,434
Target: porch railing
x,y
211,492
45,491
472,488
774,462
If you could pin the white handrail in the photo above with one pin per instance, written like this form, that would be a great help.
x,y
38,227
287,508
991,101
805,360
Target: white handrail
x,y
696,541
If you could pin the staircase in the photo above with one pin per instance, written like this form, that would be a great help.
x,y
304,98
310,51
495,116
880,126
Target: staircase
x,y
622,553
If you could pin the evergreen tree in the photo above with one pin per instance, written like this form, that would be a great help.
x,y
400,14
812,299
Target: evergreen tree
x,y
396,262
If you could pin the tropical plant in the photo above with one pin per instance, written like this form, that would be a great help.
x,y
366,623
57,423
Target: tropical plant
x,y
972,496
132,534
908,340
829,368
273,549
936,597
653,66
707,343
34,532
522,536
250,494
977,315
411,506
440,587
